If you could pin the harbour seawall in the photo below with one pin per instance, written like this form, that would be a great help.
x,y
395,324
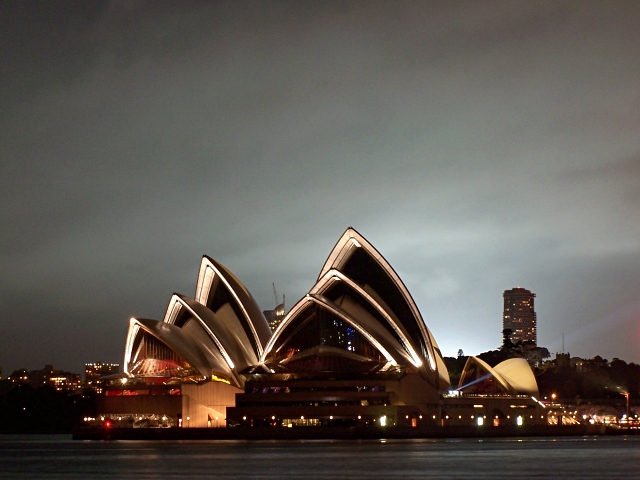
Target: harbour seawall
x,y
339,433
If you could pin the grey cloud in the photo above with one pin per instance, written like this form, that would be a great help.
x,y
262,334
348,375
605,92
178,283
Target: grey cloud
x,y
477,146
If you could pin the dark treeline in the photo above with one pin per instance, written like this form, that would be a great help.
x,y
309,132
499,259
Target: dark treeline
x,y
25,409
594,378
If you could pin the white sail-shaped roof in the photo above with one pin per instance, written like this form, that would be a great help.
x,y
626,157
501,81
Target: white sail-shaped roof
x,y
357,258
518,374
359,287
513,376
221,332
218,288
190,348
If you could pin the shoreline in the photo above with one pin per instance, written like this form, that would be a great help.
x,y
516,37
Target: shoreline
x,y
341,433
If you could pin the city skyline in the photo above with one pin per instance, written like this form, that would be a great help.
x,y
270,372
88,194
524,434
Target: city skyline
x,y
480,146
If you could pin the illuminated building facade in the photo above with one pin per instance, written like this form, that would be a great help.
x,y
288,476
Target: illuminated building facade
x,y
519,315
94,374
57,379
274,317
354,350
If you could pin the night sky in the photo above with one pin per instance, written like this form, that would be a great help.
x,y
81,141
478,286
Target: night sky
x,y
479,146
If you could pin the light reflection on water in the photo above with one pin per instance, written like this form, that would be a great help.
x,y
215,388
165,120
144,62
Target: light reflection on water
x,y
58,457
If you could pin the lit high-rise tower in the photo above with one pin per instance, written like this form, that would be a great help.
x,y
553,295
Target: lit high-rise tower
x,y
519,315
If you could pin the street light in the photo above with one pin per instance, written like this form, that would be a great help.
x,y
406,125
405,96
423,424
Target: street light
x,y
626,395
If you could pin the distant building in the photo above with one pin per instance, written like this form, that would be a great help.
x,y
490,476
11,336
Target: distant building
x,y
94,373
58,379
563,361
274,317
519,315
19,377
577,363
65,381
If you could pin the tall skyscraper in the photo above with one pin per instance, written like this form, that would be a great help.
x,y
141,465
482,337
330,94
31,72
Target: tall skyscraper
x,y
519,315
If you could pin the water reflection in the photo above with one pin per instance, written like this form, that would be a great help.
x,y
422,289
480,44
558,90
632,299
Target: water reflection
x,y
59,457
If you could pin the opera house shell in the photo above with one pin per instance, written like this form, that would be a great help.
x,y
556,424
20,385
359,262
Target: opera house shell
x,y
354,350
217,334
511,377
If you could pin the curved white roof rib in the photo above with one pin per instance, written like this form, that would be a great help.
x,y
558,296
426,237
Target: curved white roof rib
x,y
514,375
344,250
132,333
369,328
222,328
475,370
173,337
376,336
443,373
293,313
217,287
333,276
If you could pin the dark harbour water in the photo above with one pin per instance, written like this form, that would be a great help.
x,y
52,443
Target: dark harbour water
x,y
58,457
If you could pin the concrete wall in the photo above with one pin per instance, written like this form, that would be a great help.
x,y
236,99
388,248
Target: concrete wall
x,y
206,405
412,389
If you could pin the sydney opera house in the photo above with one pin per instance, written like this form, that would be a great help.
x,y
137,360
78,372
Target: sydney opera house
x,y
354,351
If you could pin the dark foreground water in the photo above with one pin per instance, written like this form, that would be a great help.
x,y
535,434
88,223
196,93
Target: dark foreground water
x,y
59,457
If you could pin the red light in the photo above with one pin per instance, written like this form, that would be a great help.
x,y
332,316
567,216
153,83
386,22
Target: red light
x,y
107,424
